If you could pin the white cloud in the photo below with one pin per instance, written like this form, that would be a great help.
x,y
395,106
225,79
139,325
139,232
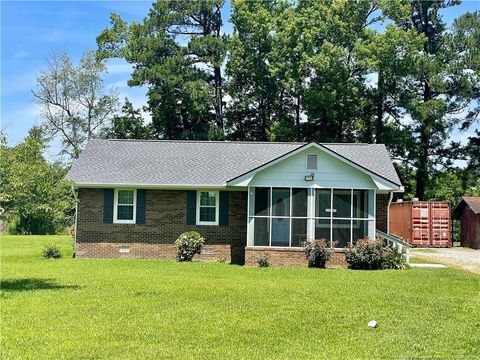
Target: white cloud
x,y
20,55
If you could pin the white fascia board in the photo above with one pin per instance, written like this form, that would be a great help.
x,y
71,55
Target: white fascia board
x,y
152,186
381,183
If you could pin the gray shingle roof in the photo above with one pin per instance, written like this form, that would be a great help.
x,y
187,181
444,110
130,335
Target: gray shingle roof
x,y
209,163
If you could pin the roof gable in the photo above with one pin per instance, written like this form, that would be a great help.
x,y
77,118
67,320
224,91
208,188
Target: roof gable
x,y
342,153
331,171
473,202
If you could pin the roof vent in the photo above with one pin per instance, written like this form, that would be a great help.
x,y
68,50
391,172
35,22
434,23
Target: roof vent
x,y
311,162
399,200
415,199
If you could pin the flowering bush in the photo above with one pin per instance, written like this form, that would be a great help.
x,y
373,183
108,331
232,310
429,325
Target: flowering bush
x,y
317,253
188,244
369,254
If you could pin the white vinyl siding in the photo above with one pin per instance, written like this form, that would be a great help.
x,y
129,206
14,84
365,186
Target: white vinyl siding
x,y
331,173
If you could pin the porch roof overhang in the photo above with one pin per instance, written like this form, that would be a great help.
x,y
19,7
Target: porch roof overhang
x,y
382,183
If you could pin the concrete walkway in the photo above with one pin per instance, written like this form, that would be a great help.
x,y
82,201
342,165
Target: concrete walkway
x,y
432,266
464,258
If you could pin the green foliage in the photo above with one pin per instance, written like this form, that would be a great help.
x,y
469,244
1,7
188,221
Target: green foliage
x,y
369,254
263,260
128,125
51,252
317,253
366,254
34,196
188,244
394,259
177,51
311,71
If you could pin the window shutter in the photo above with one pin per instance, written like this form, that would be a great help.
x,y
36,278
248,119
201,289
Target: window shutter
x,y
223,213
191,207
108,206
141,204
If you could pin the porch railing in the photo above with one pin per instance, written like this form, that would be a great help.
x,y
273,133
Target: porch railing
x,y
397,242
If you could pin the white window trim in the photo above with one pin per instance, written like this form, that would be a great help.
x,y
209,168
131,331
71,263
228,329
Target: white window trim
x,y
217,208
115,207
306,162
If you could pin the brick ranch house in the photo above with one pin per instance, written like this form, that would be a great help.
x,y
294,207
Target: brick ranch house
x,y
136,197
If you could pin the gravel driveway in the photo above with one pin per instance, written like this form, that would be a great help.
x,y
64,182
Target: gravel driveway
x,y
465,258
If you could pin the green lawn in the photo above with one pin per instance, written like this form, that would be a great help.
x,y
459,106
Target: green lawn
x,y
145,309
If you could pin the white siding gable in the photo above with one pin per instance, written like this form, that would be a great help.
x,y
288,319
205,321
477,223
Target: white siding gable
x,y
331,172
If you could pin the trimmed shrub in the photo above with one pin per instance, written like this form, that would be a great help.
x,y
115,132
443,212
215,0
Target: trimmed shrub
x,y
263,260
394,259
51,252
317,253
369,254
188,244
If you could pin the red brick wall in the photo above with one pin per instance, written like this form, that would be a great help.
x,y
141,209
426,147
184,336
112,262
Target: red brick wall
x,y
381,207
289,257
165,220
147,251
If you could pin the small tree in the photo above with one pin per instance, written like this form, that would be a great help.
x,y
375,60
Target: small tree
x,y
34,196
74,102
188,244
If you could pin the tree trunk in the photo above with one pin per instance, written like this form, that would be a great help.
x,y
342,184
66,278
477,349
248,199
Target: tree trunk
x,y
379,128
297,117
218,97
422,162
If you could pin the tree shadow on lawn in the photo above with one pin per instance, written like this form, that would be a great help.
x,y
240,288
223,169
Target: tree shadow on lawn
x,y
32,284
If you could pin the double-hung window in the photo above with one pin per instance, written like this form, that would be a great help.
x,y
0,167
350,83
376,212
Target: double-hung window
x,y
124,207
207,207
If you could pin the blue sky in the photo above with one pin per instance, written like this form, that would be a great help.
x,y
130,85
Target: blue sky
x,y
30,30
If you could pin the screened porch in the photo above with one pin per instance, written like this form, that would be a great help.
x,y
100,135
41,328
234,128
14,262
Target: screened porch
x,y
287,216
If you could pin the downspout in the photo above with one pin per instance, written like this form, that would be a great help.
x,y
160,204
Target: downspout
x,y
388,212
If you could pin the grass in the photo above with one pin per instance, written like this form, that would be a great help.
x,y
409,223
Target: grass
x,y
146,309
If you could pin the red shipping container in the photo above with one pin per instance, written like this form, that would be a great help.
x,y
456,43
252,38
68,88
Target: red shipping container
x,y
421,223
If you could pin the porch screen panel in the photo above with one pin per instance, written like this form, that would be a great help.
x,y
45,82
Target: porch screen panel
x,y
359,229
280,231
262,201
341,233
299,232
360,204
342,203
322,230
280,202
299,202
323,204
261,232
